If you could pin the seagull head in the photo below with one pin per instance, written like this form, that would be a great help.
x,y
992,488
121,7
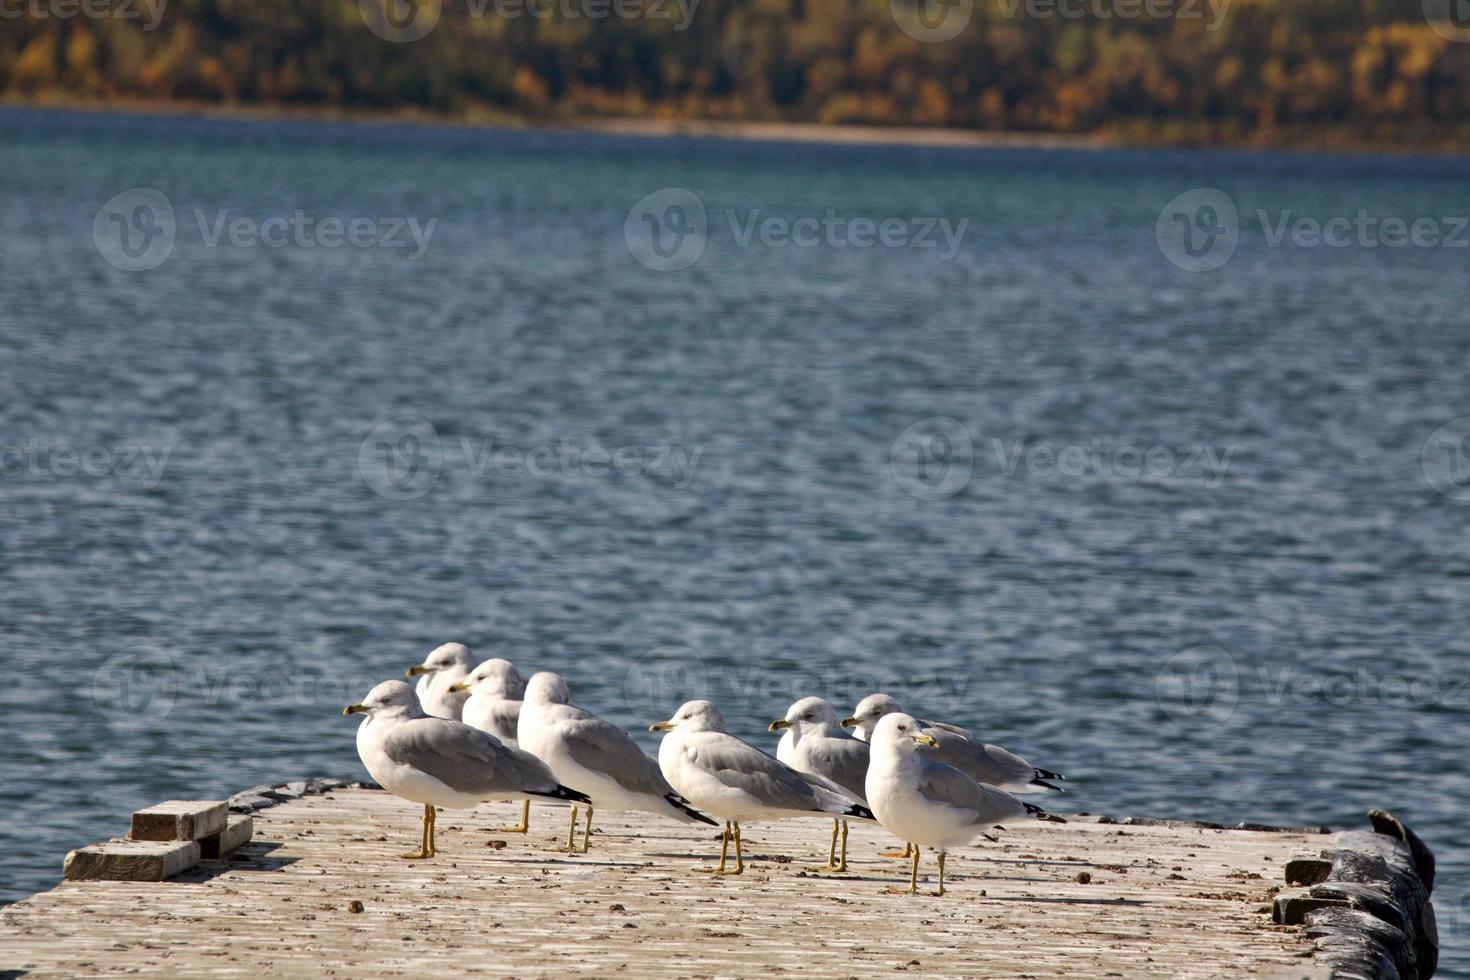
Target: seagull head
x,y
450,656
807,715
547,688
868,712
693,716
494,678
901,733
390,699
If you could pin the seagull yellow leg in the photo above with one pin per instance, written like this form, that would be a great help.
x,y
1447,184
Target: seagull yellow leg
x,y
905,854
724,849
940,893
833,864
913,887
425,849
433,825
572,832
525,822
739,858
587,832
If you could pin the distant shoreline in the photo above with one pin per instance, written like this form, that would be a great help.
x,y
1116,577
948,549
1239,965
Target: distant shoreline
x,y
842,134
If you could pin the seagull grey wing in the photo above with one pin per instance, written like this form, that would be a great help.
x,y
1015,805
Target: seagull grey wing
x,y
934,726
466,760
984,763
843,761
746,768
504,719
943,784
601,746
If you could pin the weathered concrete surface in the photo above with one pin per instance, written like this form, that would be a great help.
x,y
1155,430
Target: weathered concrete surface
x,y
235,836
1158,901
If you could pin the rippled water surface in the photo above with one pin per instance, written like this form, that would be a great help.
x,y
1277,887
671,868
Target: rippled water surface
x,y
1190,538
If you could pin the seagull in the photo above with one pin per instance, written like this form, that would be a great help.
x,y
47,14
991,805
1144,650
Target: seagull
x,y
445,665
927,802
815,745
596,756
989,764
736,781
494,707
438,762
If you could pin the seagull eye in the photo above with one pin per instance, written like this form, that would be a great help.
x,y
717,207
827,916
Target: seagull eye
x,y
903,728
807,716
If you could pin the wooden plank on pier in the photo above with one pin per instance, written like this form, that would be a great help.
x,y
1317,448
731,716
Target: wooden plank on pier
x,y
130,860
320,890
180,820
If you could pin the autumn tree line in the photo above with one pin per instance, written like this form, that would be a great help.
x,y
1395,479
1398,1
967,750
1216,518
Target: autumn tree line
x,y
1234,71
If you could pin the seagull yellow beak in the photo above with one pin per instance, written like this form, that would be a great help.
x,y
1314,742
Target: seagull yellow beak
x,y
459,688
928,740
417,670
849,722
661,726
779,724
354,709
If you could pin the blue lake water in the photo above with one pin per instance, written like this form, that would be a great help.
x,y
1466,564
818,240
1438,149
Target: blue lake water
x,y
968,430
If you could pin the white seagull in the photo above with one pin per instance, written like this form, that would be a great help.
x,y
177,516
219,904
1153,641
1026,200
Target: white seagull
x,y
736,781
596,757
438,762
495,689
928,803
815,745
989,764
444,667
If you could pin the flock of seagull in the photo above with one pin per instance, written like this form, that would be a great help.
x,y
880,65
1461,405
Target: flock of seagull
x,y
472,732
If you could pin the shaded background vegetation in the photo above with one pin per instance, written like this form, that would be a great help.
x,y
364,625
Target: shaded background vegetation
x,y
1262,71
